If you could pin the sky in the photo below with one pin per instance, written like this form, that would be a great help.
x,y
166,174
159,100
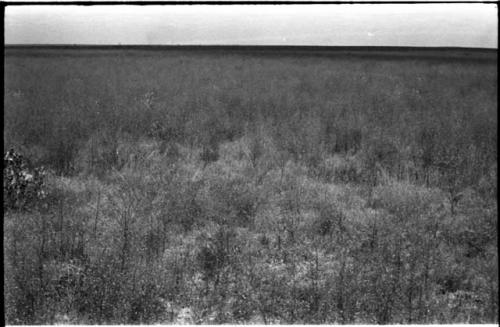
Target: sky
x,y
449,25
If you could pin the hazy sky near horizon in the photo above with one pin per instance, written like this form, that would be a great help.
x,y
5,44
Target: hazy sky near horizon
x,y
453,25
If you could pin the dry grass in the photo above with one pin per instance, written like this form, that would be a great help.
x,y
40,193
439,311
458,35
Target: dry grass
x,y
315,206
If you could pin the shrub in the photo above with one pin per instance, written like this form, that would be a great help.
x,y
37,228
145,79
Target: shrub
x,y
154,242
165,131
184,209
487,185
347,140
404,199
170,149
348,171
230,200
379,156
456,168
135,154
255,150
98,154
330,219
215,130
23,187
61,154
209,154
173,207
428,142
485,135
145,304
214,252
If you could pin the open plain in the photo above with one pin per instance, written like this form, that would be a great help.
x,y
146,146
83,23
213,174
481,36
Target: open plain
x,y
250,185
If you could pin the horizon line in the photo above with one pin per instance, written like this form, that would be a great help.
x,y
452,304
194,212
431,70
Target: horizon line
x,y
96,45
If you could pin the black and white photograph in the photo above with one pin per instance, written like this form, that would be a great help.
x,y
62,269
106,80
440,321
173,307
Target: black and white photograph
x,y
250,163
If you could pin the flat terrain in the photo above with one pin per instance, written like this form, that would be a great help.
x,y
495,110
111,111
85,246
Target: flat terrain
x,y
475,54
251,185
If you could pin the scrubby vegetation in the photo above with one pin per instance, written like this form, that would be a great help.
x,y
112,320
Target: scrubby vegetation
x,y
208,188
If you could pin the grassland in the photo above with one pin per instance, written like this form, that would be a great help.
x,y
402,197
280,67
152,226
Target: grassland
x,y
253,186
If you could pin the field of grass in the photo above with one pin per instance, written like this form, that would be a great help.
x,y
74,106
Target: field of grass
x,y
248,187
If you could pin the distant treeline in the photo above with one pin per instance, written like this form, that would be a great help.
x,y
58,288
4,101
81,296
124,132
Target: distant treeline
x,y
365,52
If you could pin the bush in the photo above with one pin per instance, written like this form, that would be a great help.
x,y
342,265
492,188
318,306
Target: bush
x,y
379,156
209,154
330,220
348,170
214,252
145,304
405,200
61,155
428,139
229,200
347,140
23,187
255,150
165,131
141,153
98,154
